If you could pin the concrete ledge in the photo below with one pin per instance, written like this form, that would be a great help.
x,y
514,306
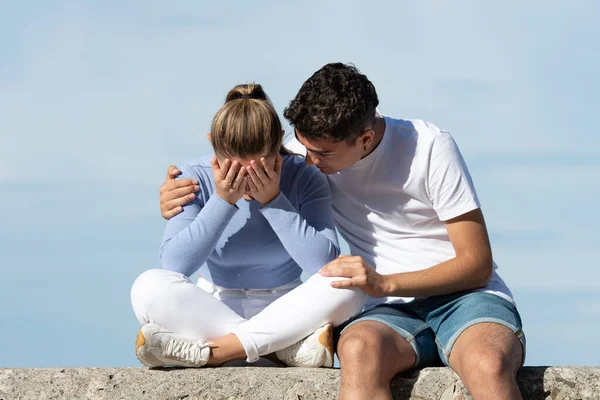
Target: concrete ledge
x,y
556,383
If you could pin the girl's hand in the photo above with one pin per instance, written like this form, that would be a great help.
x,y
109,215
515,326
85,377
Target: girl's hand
x,y
264,181
229,179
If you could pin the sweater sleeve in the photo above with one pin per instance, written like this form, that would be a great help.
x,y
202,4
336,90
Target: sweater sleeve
x,y
191,236
307,234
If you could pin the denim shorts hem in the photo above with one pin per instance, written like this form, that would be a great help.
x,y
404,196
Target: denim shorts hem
x,y
445,350
409,337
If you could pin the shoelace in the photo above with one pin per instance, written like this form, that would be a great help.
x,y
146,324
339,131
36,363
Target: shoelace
x,y
185,349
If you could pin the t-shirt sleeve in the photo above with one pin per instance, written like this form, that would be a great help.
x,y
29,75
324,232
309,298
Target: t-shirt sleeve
x,y
450,185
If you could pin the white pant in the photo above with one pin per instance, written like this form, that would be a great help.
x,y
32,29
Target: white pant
x,y
263,320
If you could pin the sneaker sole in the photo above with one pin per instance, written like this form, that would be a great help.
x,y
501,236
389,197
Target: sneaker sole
x,y
139,342
326,340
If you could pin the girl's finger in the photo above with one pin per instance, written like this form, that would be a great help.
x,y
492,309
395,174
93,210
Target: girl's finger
x,y
254,177
253,187
233,170
259,171
239,179
241,189
225,168
268,171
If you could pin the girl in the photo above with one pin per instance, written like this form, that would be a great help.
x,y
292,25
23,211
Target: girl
x,y
261,218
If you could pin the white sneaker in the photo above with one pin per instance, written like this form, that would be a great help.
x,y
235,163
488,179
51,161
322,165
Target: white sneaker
x,y
158,347
312,352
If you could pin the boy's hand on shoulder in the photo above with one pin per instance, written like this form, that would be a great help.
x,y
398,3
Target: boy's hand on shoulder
x,y
174,194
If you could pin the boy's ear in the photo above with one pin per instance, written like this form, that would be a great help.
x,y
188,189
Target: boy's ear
x,y
367,137
209,137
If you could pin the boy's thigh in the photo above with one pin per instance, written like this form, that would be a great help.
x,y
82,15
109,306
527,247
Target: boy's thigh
x,y
449,316
408,326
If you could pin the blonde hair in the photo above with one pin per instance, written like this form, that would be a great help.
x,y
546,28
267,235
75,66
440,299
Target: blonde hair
x,y
247,125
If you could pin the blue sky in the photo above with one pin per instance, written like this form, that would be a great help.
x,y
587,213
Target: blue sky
x,y
97,98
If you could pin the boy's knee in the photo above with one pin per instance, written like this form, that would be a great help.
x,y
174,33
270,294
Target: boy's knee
x,y
489,365
359,346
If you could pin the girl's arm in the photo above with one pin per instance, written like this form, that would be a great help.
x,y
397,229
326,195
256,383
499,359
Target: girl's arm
x,y
308,234
191,236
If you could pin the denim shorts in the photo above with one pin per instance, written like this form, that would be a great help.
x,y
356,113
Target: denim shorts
x,y
432,324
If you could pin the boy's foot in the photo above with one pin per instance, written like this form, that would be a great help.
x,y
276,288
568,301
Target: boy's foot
x,y
312,352
158,347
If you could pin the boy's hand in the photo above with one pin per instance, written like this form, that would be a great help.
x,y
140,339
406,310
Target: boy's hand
x,y
176,193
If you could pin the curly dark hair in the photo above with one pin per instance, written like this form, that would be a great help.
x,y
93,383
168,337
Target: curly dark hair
x,y
337,103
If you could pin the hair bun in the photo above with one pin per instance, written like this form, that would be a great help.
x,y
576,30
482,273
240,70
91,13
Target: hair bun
x,y
248,91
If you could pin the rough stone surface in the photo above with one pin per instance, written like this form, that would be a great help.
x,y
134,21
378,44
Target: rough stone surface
x,y
555,383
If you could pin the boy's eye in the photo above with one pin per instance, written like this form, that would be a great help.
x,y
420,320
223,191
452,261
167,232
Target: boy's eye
x,y
321,155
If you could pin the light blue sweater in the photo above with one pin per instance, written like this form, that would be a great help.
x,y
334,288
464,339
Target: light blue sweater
x,y
246,246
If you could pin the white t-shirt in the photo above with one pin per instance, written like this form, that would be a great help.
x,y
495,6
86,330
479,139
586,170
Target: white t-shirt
x,y
390,206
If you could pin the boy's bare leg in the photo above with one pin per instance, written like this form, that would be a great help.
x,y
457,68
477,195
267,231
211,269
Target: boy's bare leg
x,y
487,357
371,353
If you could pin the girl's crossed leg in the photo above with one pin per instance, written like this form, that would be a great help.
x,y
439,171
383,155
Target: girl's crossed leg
x,y
171,301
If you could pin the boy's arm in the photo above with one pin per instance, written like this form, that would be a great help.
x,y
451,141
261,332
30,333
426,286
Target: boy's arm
x,y
191,235
470,269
